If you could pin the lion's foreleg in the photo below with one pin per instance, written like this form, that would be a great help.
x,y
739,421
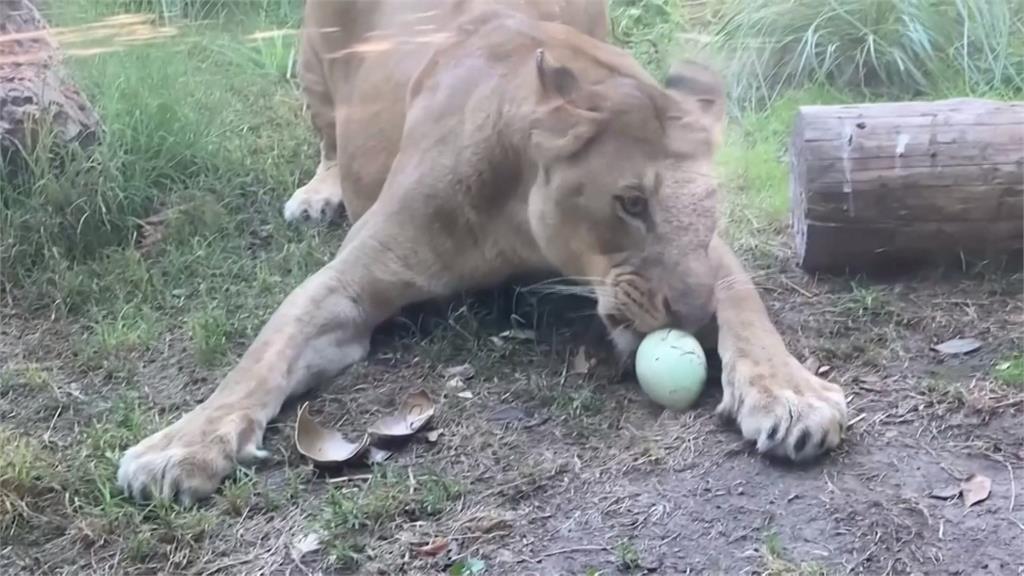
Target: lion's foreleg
x,y
777,403
323,326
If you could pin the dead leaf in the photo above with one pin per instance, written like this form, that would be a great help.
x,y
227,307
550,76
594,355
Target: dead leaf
x,y
580,363
975,488
378,455
433,435
822,370
957,346
305,544
152,230
416,410
946,493
489,524
322,445
436,547
812,364
463,371
455,383
518,334
509,414
465,394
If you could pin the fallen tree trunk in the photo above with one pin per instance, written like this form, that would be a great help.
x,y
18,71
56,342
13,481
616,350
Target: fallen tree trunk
x,y
876,187
35,93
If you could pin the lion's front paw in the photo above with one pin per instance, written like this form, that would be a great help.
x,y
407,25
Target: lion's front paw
x,y
187,461
318,201
781,406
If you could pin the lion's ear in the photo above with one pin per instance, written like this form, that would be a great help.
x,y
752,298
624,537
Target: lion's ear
x,y
696,116
560,127
556,81
559,131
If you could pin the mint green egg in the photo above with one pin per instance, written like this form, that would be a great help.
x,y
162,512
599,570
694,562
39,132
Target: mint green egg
x,y
671,368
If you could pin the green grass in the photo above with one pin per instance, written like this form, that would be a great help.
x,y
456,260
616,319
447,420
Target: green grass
x,y
649,29
910,48
27,480
774,562
238,494
179,11
352,518
1010,371
217,147
627,557
73,491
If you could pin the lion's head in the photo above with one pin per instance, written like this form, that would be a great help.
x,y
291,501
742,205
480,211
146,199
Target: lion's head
x,y
625,197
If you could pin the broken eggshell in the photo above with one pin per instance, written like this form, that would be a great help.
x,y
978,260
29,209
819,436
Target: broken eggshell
x,y
325,446
416,410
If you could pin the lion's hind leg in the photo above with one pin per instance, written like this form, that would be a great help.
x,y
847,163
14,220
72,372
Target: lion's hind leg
x,y
319,200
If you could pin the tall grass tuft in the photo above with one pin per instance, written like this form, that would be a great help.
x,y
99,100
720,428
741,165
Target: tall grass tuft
x,y
173,10
195,122
905,48
648,29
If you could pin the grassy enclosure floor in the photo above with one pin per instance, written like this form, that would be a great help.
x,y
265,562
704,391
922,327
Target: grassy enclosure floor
x,y
134,278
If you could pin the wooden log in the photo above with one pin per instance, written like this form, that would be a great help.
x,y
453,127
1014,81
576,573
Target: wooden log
x,y
34,89
879,187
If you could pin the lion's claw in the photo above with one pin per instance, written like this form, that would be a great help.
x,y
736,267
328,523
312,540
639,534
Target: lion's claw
x,y
788,412
187,461
318,201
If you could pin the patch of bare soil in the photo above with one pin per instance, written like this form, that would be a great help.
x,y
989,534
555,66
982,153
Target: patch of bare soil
x,y
563,471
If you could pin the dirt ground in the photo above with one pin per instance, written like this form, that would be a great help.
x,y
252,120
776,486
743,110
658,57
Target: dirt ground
x,y
560,472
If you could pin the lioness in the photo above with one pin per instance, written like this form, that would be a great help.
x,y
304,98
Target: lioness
x,y
470,141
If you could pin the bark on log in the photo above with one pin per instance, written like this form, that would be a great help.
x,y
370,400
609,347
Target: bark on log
x,y
34,90
878,187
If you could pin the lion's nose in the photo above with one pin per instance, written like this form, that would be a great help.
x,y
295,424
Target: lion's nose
x,y
690,310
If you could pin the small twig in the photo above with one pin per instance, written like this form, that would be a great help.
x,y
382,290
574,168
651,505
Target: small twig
x,y
669,539
1010,402
1017,522
229,563
479,535
953,473
355,478
855,420
794,286
1013,488
46,437
571,549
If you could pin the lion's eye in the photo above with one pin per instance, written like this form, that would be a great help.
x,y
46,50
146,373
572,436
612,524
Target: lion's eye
x,y
633,204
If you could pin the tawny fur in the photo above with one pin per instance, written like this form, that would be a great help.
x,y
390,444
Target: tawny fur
x,y
471,141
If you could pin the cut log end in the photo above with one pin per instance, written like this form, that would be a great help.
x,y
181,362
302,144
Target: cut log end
x,y
38,102
879,187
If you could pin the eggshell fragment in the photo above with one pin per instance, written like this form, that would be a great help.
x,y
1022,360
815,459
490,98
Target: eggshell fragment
x,y
325,446
416,410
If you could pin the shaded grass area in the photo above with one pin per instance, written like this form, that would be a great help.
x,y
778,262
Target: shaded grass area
x,y
203,132
352,518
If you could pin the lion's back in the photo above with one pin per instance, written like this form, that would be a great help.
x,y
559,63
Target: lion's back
x,y
373,50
